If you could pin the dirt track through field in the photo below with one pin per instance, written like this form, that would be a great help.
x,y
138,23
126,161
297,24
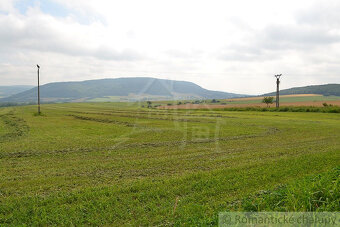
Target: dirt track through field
x,y
205,106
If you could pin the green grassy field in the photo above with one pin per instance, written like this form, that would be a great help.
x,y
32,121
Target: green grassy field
x,y
118,164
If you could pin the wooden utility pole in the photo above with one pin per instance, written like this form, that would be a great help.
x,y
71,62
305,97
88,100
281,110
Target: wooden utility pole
x,y
38,90
278,90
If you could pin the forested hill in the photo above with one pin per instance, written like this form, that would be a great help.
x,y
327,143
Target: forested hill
x,y
327,89
120,89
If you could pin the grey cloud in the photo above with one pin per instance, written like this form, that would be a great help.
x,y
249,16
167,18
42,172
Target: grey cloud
x,y
106,53
314,27
239,56
325,13
184,54
36,34
296,37
244,53
302,37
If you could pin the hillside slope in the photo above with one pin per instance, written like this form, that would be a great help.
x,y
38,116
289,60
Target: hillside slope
x,y
126,89
327,89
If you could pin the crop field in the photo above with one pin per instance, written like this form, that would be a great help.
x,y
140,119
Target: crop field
x,y
121,164
285,100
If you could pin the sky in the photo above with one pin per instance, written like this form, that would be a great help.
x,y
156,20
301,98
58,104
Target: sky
x,y
225,45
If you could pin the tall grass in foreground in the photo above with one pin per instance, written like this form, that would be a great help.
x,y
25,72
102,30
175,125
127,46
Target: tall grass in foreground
x,y
315,193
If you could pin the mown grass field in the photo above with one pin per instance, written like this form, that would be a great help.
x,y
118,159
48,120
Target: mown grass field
x,y
118,164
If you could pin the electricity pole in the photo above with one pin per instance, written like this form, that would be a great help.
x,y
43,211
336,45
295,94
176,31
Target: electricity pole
x,y
38,90
278,90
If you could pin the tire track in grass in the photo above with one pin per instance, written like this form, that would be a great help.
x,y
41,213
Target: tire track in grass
x,y
28,153
151,118
125,123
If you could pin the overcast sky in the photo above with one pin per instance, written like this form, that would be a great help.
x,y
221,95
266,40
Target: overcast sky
x,y
232,46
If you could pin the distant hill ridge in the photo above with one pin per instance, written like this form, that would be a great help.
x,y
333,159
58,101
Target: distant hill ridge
x,y
327,90
6,91
126,89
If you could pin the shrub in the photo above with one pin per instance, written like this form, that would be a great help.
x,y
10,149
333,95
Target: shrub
x,y
268,100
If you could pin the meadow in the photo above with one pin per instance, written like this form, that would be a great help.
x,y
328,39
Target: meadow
x,y
124,164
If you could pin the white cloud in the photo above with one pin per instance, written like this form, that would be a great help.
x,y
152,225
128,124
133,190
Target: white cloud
x,y
234,46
